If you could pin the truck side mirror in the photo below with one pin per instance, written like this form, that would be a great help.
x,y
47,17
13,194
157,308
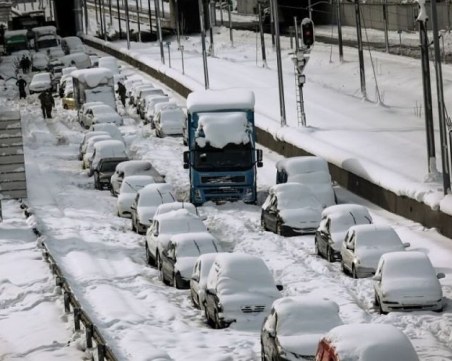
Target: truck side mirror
x,y
186,159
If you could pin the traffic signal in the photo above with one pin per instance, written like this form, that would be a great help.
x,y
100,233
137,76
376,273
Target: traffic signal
x,y
307,32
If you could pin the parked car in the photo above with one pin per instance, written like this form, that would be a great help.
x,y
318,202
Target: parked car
x,y
240,287
406,281
143,99
291,209
295,326
168,120
100,114
88,150
84,142
110,128
132,167
164,226
84,108
130,83
335,222
110,63
146,203
129,188
363,342
149,110
55,53
180,255
72,44
174,206
364,245
40,82
68,101
309,170
135,89
198,281
107,149
39,62
104,170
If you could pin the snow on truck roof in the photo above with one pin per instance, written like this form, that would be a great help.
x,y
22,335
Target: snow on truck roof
x,y
211,100
220,129
93,76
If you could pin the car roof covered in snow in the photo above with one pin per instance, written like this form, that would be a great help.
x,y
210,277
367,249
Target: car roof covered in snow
x,y
305,164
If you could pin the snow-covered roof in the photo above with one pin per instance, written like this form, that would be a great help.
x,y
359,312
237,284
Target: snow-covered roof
x,y
372,234
407,264
316,177
371,342
109,128
168,207
10,33
347,208
134,165
294,195
194,244
69,70
102,109
307,164
41,30
212,100
180,221
138,180
72,41
93,76
220,129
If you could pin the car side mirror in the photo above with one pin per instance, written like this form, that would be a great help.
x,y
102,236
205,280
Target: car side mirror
x,y
272,333
406,244
350,247
210,291
377,278
280,287
440,275
133,207
186,160
195,278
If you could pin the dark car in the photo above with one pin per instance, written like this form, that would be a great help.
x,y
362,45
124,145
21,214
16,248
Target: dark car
x,y
104,170
335,222
180,255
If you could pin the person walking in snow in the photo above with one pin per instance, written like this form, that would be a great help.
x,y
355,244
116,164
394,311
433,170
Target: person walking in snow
x,y
21,83
122,93
47,103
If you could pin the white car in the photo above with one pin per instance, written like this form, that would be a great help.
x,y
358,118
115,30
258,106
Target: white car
x,y
85,106
110,128
240,287
146,203
132,167
40,82
100,114
88,150
407,281
84,142
174,206
128,191
39,62
166,225
335,222
364,245
72,44
136,88
149,111
110,63
198,281
55,53
295,326
169,121
291,209
143,97
180,255
107,149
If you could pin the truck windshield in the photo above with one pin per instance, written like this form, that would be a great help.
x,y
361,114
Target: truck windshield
x,y
233,157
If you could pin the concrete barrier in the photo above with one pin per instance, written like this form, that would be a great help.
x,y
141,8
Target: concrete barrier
x,y
401,205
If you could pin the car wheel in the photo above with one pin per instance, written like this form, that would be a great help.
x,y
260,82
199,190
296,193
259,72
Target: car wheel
x,y
380,308
96,181
316,248
149,259
343,269
176,280
354,273
279,229
208,319
263,223
329,255
158,261
218,323
134,228
162,278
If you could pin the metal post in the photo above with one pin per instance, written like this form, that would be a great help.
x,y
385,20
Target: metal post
x,y
119,19
102,18
230,24
85,8
441,107
339,30
297,35
362,74
385,18
211,23
127,24
429,128
181,48
95,10
221,12
89,336
176,14
169,53
110,12
78,17
77,317
101,352
203,44
310,9
282,106
159,29
138,22
261,30
150,16
272,23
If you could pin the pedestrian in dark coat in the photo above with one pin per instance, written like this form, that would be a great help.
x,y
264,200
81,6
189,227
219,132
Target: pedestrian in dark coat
x,y
47,103
27,62
23,64
21,83
122,93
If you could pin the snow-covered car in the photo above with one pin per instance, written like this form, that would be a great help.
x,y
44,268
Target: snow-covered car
x,y
146,203
169,121
40,82
55,53
291,209
100,114
72,44
407,281
309,170
107,149
84,142
129,188
240,287
104,171
363,342
166,225
143,98
130,83
39,62
110,63
110,128
180,255
198,281
149,110
85,107
137,91
364,245
295,326
68,101
174,206
335,222
88,150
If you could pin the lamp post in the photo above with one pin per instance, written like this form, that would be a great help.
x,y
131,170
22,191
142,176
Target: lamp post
x,y
159,29
282,105
119,19
127,24
203,44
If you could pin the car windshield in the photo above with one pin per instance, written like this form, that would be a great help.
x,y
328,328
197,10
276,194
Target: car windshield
x,y
155,198
232,157
408,268
185,225
102,109
108,166
195,248
175,115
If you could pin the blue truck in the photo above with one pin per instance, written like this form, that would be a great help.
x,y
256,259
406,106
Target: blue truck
x,y
221,136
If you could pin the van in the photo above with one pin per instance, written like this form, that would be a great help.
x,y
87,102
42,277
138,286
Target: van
x,y
363,342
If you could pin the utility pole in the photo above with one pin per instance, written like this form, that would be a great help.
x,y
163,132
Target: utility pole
x,y
211,23
110,12
339,30
138,22
362,74
385,18
261,30
159,30
230,23
272,23
429,129
150,16
441,106
127,24
119,19
203,44
282,105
